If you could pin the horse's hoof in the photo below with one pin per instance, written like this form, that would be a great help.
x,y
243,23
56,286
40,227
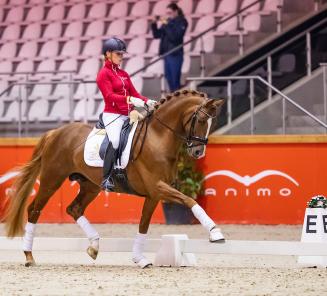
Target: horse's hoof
x,y
144,263
216,236
92,252
30,263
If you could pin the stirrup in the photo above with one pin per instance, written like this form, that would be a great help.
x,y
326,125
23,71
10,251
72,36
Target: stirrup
x,y
108,184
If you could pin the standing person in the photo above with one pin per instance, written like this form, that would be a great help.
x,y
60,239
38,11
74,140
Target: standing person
x,y
171,31
120,97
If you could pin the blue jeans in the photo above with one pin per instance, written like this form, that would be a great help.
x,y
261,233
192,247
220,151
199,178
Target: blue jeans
x,y
173,70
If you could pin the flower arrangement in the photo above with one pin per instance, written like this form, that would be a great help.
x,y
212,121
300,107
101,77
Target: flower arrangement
x,y
318,201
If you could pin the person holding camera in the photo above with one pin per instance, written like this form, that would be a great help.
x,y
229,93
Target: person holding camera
x,y
171,30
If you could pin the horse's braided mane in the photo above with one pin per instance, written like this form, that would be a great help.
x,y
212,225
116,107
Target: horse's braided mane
x,y
185,92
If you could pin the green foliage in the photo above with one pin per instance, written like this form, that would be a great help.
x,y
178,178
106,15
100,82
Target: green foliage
x,y
189,178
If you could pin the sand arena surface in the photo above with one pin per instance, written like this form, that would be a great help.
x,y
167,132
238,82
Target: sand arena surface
x,y
74,273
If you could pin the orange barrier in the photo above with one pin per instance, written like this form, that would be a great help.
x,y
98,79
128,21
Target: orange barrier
x,y
249,179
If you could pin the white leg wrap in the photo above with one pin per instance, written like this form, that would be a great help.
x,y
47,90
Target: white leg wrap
x,y
203,218
89,230
138,247
28,236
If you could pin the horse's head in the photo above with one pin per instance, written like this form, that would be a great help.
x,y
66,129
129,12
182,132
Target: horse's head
x,y
197,122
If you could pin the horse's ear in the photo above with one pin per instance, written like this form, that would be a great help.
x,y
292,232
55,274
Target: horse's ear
x,y
215,103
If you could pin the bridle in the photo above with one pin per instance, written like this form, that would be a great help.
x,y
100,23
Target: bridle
x,y
191,139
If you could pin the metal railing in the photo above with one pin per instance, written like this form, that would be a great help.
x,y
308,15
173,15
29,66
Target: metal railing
x,y
251,79
324,69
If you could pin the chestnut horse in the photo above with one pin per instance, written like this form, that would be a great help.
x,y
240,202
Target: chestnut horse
x,y
184,116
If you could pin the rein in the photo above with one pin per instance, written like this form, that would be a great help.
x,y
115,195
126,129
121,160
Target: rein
x,y
189,139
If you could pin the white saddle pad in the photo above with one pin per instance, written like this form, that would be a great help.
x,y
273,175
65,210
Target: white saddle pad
x,y
93,143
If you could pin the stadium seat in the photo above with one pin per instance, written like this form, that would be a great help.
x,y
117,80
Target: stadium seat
x,y
228,26
28,50
74,29
12,113
252,22
2,107
254,8
49,49
134,64
71,48
119,9
8,50
98,10
157,69
76,12
186,6
52,30
46,65
206,7
40,91
5,67
86,90
117,28
92,47
140,8
95,29
208,43
90,68
11,32
56,13
139,27
138,84
16,2
160,8
25,66
60,110
35,14
84,110
154,47
137,46
38,110
68,65
32,31
37,1
227,7
15,15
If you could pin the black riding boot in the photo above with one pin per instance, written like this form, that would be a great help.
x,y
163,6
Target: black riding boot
x,y
108,166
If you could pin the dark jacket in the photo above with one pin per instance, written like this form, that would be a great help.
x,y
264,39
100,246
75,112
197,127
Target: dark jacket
x,y
171,34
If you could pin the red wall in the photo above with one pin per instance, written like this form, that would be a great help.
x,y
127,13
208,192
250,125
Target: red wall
x,y
289,175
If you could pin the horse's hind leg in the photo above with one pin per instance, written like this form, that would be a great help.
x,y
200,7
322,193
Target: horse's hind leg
x,y
48,186
88,192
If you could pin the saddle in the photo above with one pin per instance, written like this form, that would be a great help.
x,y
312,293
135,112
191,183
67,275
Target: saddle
x,y
119,173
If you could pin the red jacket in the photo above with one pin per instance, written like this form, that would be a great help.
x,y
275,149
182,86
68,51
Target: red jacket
x,y
115,86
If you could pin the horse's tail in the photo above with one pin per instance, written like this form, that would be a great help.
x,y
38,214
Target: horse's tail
x,y
21,189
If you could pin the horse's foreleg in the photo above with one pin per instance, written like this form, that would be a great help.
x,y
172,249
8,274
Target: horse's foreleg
x,y
168,193
88,192
140,239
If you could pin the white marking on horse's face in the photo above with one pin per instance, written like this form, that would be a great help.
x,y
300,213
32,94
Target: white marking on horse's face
x,y
209,123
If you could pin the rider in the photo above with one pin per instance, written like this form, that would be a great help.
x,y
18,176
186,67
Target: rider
x,y
120,97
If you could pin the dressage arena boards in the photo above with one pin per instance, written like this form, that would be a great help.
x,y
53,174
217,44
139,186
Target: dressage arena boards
x,y
74,273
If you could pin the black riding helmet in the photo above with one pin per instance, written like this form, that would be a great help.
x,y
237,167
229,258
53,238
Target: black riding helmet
x,y
113,44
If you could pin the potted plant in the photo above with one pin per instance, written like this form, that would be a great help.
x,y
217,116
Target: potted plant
x,y
189,182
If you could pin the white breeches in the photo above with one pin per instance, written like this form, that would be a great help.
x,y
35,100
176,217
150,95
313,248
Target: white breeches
x,y
114,128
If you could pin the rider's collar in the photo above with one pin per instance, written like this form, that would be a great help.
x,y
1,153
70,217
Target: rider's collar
x,y
111,65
